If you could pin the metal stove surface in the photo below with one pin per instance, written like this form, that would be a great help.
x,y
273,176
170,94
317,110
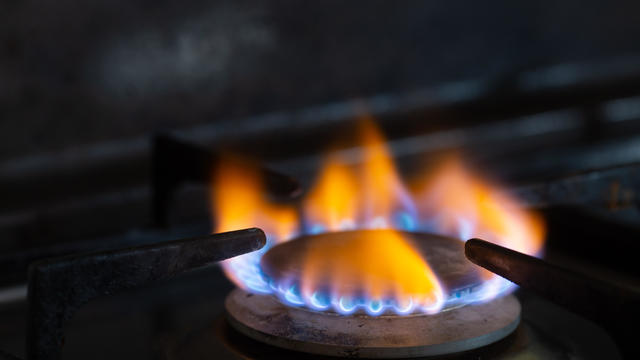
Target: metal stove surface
x,y
546,332
184,319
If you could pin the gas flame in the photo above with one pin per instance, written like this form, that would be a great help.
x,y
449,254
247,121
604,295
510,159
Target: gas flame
x,y
383,192
455,202
369,196
382,263
239,202
331,205
389,275
373,270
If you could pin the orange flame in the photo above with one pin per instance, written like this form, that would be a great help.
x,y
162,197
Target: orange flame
x,y
382,263
365,197
383,192
459,204
332,202
239,202
379,263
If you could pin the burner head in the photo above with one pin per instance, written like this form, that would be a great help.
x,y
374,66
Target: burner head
x,y
283,266
385,334
264,318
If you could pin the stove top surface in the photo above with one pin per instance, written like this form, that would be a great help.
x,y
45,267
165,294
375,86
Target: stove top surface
x,y
185,319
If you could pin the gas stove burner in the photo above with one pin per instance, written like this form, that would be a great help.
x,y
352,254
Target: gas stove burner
x,y
283,267
463,323
264,318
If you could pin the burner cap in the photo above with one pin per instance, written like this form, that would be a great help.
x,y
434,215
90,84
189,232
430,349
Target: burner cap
x,y
284,262
264,318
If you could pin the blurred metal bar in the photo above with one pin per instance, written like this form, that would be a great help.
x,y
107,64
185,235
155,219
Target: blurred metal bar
x,y
611,306
13,294
616,187
60,286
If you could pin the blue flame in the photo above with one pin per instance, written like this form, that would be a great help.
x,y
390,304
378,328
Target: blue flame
x,y
345,305
323,300
292,295
406,309
248,272
247,269
404,221
375,307
320,301
317,229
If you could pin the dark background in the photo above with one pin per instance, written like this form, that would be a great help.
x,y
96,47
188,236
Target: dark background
x,y
75,72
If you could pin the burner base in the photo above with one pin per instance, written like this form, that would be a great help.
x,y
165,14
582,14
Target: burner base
x,y
264,318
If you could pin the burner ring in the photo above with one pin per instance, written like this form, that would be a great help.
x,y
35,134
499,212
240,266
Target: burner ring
x,y
283,263
264,318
